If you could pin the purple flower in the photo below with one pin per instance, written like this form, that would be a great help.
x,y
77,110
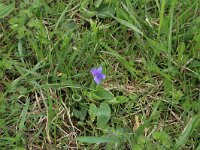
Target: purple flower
x,y
98,76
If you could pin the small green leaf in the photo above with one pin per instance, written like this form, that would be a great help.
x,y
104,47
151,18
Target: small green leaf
x,y
5,10
103,115
186,105
93,111
81,114
102,94
176,95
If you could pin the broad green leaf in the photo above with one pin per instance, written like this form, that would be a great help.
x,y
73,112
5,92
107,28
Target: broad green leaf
x,y
93,139
102,95
190,127
103,115
93,111
5,10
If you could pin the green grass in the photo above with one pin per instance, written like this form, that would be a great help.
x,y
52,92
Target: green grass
x,y
149,51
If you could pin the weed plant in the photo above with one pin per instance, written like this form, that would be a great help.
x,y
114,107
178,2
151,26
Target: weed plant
x,y
145,95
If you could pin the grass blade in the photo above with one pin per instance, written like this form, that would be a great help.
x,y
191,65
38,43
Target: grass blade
x,y
161,17
190,127
20,50
62,16
171,14
23,119
98,140
121,59
127,24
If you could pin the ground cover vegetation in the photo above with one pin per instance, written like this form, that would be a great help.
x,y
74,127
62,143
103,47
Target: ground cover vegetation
x,y
100,74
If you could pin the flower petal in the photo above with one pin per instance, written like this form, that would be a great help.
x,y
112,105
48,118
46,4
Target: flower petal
x,y
102,76
99,69
94,71
97,79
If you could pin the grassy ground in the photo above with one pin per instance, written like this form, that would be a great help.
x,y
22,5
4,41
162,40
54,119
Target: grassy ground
x,y
149,51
